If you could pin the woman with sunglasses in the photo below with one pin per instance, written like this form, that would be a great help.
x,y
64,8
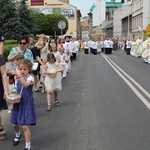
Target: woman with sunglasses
x,y
21,49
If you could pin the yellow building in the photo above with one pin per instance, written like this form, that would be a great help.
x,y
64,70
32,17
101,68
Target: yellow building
x,y
72,14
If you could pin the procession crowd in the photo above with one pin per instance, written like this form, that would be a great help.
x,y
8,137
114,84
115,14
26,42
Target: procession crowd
x,y
33,67
137,47
41,67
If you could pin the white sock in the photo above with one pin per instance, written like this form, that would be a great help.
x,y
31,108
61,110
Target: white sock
x,y
17,134
28,145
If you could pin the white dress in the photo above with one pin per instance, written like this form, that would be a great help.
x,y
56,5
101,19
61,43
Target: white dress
x,y
42,70
52,84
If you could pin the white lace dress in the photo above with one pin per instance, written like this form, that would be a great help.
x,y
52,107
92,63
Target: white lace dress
x,y
52,84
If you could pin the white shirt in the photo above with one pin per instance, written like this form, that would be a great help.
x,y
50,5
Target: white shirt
x,y
128,44
86,45
107,44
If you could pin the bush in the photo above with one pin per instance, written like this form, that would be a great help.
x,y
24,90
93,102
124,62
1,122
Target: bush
x,y
7,49
6,42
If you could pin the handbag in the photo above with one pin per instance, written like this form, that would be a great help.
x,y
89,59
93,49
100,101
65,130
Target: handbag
x,y
35,66
53,74
13,96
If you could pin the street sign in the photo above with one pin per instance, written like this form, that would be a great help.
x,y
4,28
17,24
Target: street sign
x,y
61,25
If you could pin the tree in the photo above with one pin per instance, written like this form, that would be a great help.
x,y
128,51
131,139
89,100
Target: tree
x,y
39,23
48,24
26,18
9,20
52,23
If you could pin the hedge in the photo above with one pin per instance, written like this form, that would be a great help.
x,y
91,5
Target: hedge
x,y
7,49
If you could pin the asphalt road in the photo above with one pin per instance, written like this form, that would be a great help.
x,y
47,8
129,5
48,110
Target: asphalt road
x,y
101,108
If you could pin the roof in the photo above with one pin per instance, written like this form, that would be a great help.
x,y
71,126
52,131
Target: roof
x,y
113,4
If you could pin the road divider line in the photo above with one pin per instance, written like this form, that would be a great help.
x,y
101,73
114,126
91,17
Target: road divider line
x,y
137,84
141,97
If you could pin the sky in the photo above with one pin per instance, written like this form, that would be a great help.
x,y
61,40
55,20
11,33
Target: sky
x,y
85,5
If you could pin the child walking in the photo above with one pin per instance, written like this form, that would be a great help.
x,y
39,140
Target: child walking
x,y
23,113
12,71
52,79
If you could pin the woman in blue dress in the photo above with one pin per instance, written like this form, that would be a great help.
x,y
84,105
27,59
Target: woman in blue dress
x,y
23,113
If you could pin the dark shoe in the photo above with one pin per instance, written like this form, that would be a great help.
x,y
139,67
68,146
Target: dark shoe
x,y
56,102
26,149
2,134
48,107
16,142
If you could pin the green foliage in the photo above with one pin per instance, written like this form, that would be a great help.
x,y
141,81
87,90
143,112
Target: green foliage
x,y
25,17
8,45
9,19
48,24
16,19
7,42
52,24
39,22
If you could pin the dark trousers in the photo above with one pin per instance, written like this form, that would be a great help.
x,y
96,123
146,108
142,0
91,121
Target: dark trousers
x,y
103,49
128,51
106,50
94,51
74,56
86,51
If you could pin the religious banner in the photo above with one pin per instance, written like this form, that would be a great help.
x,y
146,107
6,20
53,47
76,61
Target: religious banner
x,y
37,2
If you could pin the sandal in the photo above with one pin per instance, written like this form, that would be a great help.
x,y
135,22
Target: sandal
x,y
16,142
42,91
35,90
48,107
56,102
2,134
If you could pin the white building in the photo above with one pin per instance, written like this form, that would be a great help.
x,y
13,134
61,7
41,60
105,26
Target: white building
x,y
139,11
117,23
99,12
140,16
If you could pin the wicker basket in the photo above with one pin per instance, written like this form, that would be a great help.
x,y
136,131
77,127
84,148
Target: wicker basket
x,y
14,97
53,74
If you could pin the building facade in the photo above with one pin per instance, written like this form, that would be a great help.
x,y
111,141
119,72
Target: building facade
x,y
85,27
117,23
63,7
139,16
65,1
135,19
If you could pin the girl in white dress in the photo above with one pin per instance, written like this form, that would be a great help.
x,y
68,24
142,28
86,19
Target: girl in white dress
x,y
52,79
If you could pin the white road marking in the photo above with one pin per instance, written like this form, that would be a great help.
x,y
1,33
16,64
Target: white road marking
x,y
145,101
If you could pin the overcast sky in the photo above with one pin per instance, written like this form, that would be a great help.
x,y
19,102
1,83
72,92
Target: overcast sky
x,y
82,5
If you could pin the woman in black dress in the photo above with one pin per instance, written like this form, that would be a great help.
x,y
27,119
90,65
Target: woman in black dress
x,y
3,93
